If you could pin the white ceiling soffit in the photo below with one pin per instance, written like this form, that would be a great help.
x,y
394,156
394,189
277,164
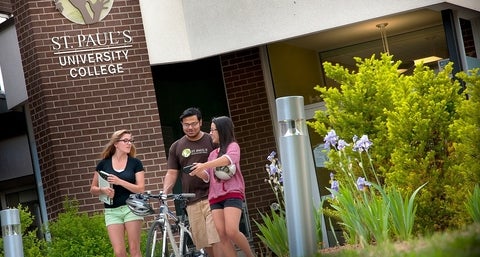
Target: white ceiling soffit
x,y
186,30
367,30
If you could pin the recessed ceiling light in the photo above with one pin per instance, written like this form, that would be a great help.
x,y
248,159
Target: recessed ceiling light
x,y
427,59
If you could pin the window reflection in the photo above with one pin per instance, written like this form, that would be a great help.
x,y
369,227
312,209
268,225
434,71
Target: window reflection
x,y
407,47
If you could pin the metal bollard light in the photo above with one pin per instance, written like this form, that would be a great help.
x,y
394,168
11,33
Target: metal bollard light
x,y
11,232
300,183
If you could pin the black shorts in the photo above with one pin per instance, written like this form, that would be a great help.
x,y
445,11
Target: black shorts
x,y
231,202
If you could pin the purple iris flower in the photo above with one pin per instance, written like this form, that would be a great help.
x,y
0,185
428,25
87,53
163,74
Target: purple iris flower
x,y
362,144
335,185
342,144
362,183
271,156
273,169
330,139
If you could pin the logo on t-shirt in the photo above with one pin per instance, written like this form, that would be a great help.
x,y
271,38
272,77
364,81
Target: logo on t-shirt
x,y
186,152
84,11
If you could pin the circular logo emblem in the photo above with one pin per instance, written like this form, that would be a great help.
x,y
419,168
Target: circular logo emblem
x,y
186,152
84,11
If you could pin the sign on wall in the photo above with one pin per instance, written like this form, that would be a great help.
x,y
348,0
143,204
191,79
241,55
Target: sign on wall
x,y
90,55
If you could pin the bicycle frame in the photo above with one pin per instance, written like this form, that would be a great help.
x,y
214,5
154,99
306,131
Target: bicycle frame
x,y
168,224
168,231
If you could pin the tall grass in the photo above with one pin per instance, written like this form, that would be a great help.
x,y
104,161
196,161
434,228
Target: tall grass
x,y
273,232
473,205
348,209
375,214
402,212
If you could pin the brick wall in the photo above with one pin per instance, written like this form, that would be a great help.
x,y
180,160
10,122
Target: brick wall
x,y
73,118
5,6
250,113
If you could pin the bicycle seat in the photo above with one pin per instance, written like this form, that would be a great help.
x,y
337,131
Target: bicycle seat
x,y
139,205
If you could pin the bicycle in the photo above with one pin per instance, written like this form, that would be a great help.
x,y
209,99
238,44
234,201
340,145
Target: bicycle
x,y
166,224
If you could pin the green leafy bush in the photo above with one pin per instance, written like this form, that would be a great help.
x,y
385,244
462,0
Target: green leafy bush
x,y
465,130
419,125
72,234
78,234
33,247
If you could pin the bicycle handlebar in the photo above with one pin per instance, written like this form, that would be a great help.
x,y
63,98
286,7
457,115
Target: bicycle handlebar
x,y
161,195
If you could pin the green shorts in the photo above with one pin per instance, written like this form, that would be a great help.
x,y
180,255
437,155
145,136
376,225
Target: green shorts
x,y
119,215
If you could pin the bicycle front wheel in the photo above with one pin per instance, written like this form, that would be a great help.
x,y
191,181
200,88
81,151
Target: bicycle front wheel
x,y
155,247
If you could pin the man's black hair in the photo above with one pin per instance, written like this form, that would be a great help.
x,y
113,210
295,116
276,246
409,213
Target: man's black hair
x,y
190,112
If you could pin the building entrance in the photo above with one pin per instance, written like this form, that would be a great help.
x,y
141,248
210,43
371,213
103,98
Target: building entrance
x,y
191,84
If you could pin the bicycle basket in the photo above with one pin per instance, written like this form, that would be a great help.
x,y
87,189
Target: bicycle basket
x,y
139,205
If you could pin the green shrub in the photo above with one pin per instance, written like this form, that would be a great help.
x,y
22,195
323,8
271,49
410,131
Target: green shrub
x,y
72,234
465,130
419,126
33,247
78,234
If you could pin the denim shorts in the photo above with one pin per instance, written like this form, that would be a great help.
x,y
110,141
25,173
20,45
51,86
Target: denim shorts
x,y
231,202
120,215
